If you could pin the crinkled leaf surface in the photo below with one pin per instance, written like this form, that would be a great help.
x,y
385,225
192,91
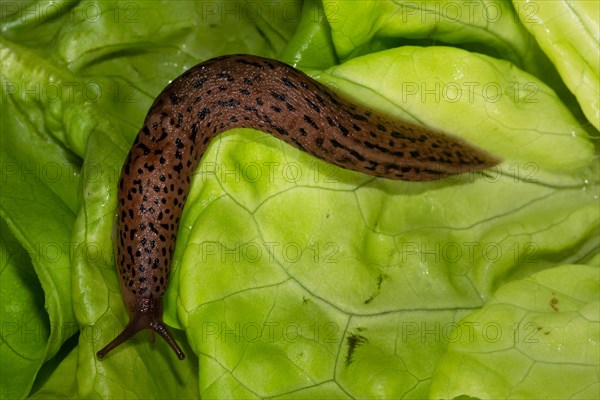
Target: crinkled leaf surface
x,y
38,199
24,322
324,283
537,337
76,75
569,33
482,26
292,278
487,26
59,380
311,46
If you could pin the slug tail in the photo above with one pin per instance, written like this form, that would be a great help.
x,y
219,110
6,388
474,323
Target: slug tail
x,y
146,315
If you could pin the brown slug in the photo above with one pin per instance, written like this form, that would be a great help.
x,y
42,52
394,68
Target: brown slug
x,y
245,91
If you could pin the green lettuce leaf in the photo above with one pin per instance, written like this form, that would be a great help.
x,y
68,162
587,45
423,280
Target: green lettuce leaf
x,y
487,27
24,323
38,201
568,33
285,284
292,278
536,337
58,379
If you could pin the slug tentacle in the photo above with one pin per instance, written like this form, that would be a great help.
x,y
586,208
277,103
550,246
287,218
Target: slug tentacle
x,y
242,91
148,315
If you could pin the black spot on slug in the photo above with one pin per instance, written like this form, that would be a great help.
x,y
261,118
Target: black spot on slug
x,y
203,113
311,122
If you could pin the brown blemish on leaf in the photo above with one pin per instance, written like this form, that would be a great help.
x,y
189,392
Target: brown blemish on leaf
x,y
554,302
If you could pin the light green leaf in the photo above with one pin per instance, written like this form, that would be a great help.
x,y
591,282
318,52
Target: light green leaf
x,y
484,26
568,32
311,44
490,102
488,27
537,337
303,247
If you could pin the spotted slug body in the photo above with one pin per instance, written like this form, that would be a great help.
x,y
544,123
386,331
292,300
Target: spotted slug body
x,y
243,91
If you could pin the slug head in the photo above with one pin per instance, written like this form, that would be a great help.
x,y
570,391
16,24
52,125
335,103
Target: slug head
x,y
147,314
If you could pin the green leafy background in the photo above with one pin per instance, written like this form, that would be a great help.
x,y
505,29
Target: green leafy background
x,y
294,278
